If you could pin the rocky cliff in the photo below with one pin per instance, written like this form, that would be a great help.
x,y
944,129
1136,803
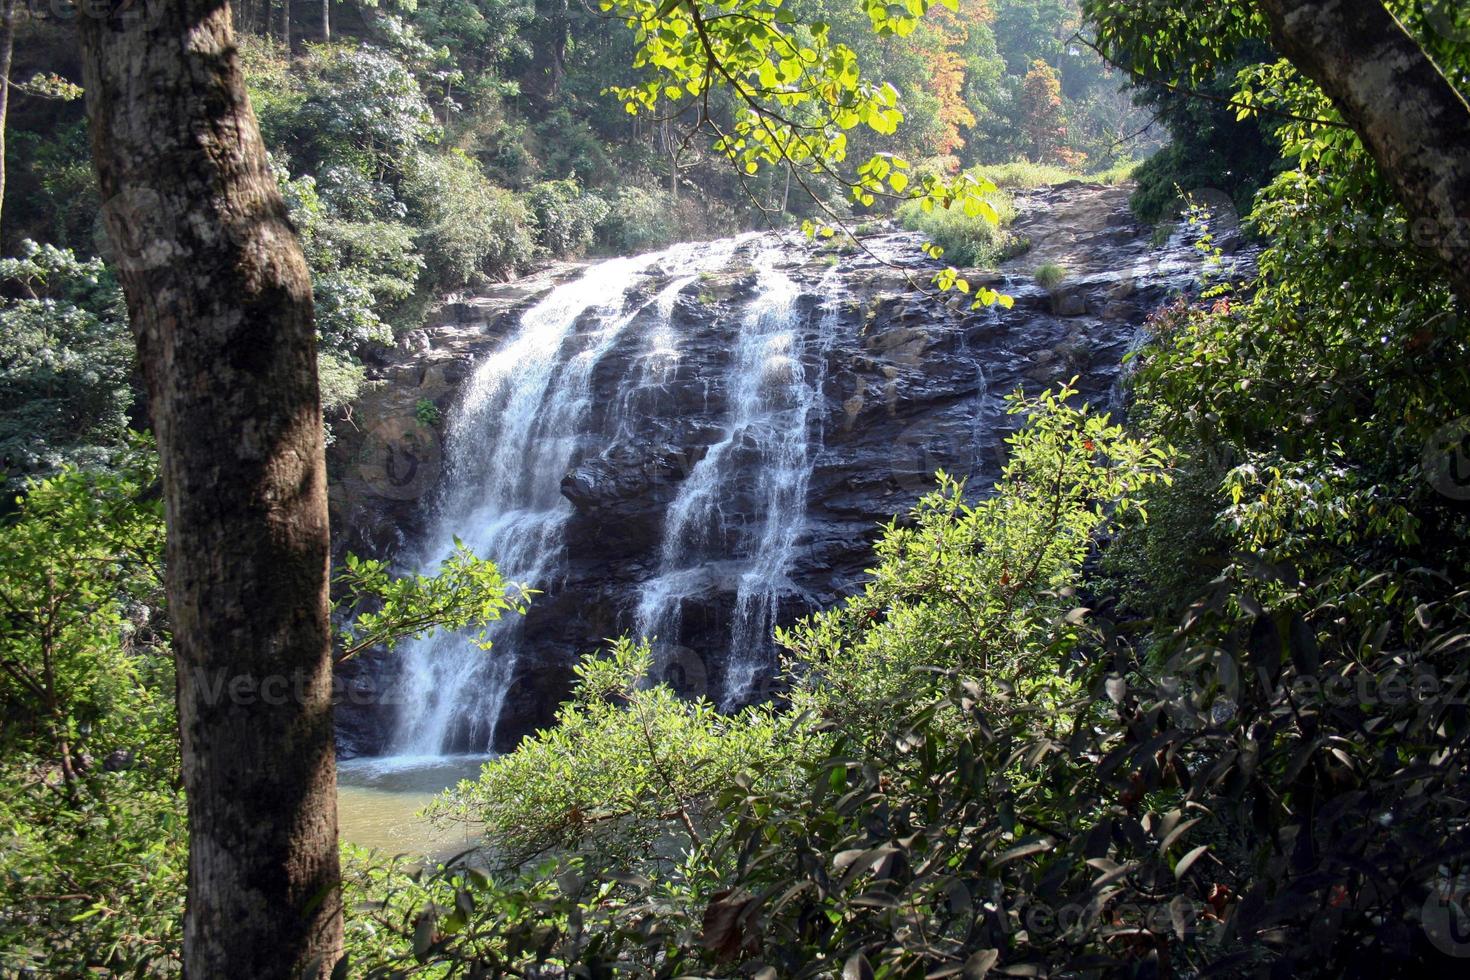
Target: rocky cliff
x,y
898,384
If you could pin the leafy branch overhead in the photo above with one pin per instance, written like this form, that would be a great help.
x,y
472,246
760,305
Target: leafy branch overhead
x,y
798,94
468,592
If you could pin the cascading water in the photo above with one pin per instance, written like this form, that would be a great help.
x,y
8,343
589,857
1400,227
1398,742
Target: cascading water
x,y
518,426
775,388
698,444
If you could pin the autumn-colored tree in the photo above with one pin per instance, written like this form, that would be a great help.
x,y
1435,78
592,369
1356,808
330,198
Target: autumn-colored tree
x,y
947,32
1042,122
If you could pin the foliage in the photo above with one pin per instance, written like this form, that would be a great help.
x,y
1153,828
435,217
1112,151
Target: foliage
x,y
340,381
624,761
959,588
1042,122
797,92
469,226
1247,755
639,220
93,866
566,216
1050,275
466,593
360,269
361,107
484,34
426,413
66,361
970,587
964,239
1024,174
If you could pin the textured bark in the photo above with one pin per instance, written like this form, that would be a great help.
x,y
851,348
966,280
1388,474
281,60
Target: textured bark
x,y
220,301
1412,120
7,52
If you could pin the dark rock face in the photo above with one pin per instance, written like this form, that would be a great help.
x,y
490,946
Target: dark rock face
x,y
901,385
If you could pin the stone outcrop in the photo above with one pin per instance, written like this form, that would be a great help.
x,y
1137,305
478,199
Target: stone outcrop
x,y
909,385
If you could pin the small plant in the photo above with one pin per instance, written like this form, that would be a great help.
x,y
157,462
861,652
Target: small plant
x,y
427,413
1050,275
1014,247
966,240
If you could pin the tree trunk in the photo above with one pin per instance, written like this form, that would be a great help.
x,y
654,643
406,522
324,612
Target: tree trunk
x,y
326,21
286,24
7,52
1411,119
220,301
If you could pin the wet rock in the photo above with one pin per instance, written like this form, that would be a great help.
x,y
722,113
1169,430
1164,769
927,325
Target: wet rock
x,y
904,385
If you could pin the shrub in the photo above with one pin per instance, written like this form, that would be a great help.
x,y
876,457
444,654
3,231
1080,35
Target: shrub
x,y
66,360
359,106
1024,174
92,870
624,760
469,226
971,587
967,240
1050,275
863,779
639,220
363,268
566,216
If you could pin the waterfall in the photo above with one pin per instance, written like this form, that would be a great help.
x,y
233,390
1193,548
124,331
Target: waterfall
x,y
719,532
537,408
696,445
509,442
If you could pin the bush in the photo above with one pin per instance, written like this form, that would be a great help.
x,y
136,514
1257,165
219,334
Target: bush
x,y
1050,275
623,761
639,220
566,216
66,359
363,269
967,240
811,808
360,106
93,866
469,226
1025,174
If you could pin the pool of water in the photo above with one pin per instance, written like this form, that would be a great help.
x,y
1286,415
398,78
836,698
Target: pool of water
x,y
378,800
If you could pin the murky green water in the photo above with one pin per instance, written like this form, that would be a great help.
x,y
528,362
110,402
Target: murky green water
x,y
378,800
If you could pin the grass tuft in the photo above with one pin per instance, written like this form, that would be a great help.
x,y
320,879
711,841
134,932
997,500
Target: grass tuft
x,y
967,242
1050,275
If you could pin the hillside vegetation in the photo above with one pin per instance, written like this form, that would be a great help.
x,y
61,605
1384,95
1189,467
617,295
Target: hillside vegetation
x,y
1182,694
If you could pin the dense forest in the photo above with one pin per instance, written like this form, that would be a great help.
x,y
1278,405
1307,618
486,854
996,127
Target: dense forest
x,y
1182,694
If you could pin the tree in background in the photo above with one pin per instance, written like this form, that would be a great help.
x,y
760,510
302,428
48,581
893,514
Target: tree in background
x,y
7,54
1385,86
948,35
1042,122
